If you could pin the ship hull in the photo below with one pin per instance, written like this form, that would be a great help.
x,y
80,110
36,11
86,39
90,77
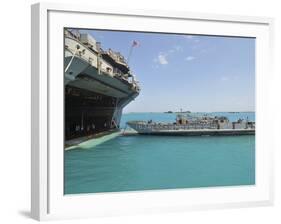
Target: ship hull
x,y
94,95
236,132
177,130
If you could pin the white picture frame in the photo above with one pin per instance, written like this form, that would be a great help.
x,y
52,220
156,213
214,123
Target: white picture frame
x,y
48,201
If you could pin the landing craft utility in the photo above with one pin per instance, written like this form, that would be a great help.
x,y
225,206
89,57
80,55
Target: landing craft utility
x,y
188,125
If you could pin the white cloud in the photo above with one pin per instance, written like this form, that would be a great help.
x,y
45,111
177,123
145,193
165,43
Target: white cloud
x,y
192,39
171,50
162,59
203,51
231,77
224,78
188,37
189,58
178,48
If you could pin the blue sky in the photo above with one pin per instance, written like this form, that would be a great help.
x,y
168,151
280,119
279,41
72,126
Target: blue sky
x,y
192,72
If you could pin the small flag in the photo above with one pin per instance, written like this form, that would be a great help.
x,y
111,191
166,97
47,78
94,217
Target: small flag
x,y
135,43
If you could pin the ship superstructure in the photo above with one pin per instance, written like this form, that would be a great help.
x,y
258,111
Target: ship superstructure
x,y
98,85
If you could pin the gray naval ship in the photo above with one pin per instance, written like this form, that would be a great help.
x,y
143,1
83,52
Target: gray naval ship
x,y
187,125
98,85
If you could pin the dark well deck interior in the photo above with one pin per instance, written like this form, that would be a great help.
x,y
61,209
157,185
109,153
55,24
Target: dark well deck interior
x,y
87,113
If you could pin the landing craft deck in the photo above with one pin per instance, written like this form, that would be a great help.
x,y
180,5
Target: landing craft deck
x,y
201,132
195,126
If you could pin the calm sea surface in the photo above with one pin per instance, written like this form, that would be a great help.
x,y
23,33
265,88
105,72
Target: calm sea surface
x,y
129,163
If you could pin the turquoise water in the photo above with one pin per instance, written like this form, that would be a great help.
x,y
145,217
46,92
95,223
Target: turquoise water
x,y
130,163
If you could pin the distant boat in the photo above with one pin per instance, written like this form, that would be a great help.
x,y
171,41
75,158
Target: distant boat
x,y
170,112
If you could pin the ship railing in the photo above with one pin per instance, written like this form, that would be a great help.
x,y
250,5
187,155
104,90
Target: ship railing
x,y
157,127
91,57
79,50
76,48
71,34
197,125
